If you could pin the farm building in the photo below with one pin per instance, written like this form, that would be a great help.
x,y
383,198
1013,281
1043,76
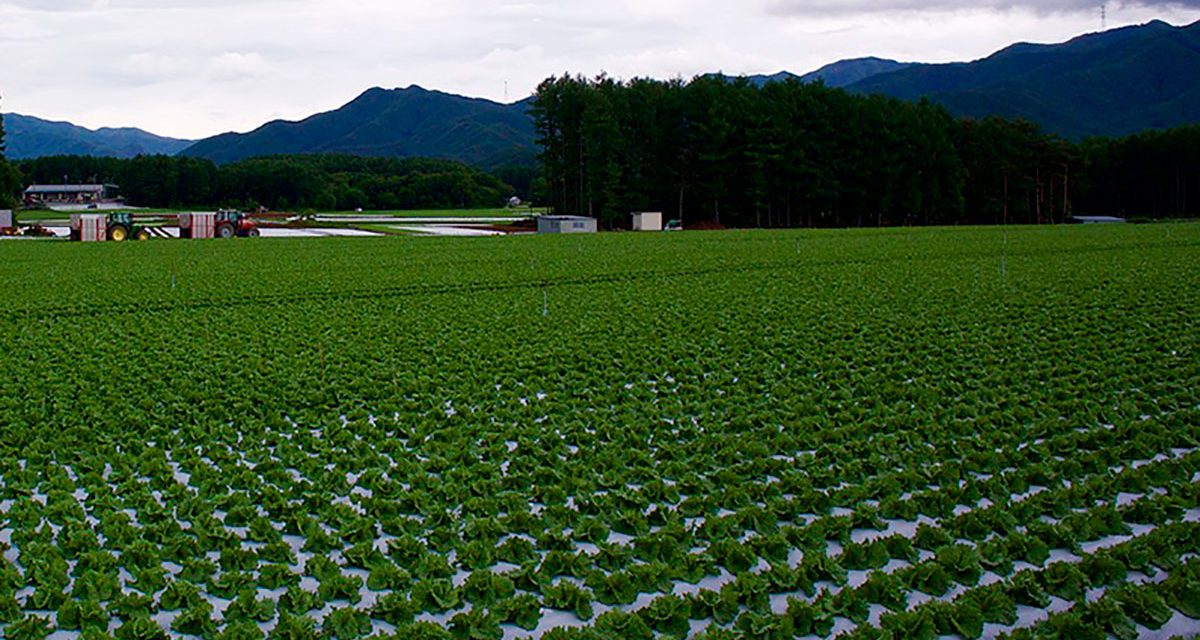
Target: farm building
x,y
566,224
76,194
647,221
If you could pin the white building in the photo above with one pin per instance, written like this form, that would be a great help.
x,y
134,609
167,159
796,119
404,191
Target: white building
x,y
648,221
70,194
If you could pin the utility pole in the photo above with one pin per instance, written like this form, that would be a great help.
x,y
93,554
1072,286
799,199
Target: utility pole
x,y
1104,17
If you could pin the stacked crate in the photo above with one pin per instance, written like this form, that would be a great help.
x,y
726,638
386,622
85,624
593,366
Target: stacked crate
x,y
89,227
197,225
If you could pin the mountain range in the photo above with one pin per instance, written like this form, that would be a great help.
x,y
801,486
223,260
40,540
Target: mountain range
x,y
396,123
1110,83
838,74
30,137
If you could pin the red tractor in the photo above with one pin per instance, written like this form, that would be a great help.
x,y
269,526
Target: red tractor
x,y
232,223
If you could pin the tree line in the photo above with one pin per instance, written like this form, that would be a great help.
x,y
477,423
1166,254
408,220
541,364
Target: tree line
x,y
789,154
10,179
296,182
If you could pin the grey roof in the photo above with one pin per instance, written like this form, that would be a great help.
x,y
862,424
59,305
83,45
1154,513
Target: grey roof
x,y
566,218
65,188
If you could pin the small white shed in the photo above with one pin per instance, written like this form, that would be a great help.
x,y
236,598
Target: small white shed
x,y
566,224
647,221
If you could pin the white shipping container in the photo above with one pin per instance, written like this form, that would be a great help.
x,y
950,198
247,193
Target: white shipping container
x,y
647,221
6,219
92,227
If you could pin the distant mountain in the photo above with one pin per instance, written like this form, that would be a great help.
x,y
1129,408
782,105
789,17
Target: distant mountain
x,y
762,79
1112,83
30,137
847,72
411,122
837,74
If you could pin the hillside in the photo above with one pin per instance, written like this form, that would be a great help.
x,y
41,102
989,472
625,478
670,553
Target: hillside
x,y
410,122
1112,83
30,137
847,72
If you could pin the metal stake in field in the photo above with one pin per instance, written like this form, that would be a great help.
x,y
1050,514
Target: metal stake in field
x,y
1004,256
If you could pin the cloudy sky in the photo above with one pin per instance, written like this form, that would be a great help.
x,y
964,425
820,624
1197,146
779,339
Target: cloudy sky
x,y
194,68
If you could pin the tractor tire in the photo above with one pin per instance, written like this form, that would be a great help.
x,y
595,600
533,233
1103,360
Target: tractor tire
x,y
142,234
226,231
185,232
252,233
118,233
73,236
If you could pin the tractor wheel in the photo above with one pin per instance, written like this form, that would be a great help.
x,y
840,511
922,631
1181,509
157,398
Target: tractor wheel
x,y
226,231
252,233
118,233
142,234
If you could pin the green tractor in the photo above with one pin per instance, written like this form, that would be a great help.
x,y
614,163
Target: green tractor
x,y
121,228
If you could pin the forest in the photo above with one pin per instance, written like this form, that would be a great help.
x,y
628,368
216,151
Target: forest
x,y
790,154
299,182
10,179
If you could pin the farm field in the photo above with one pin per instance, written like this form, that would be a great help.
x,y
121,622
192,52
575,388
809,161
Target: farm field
x,y
970,432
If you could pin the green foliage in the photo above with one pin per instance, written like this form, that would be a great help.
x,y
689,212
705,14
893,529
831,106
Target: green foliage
x,y
524,610
140,628
785,409
30,627
475,624
346,623
294,627
196,619
786,154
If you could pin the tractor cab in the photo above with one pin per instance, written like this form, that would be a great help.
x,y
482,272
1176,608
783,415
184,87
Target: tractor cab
x,y
232,223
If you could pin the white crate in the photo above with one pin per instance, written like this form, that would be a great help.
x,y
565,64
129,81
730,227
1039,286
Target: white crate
x,y
647,221
202,225
92,227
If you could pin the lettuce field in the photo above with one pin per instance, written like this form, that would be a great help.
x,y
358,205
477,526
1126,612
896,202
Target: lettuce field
x,y
971,433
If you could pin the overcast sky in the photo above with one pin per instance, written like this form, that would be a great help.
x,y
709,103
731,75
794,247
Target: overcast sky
x,y
194,68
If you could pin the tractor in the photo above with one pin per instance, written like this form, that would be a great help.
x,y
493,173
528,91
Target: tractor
x,y
120,228
114,227
231,223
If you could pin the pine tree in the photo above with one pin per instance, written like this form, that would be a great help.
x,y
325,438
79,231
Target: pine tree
x,y
10,180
